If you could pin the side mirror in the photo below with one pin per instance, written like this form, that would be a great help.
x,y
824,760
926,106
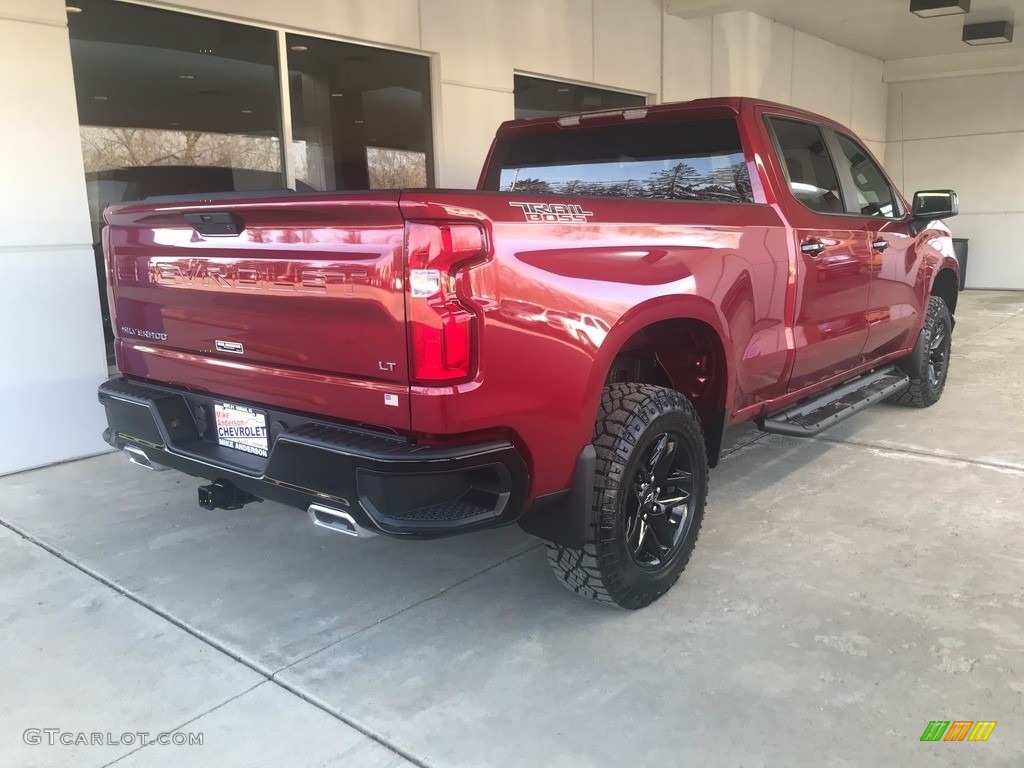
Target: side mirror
x,y
935,204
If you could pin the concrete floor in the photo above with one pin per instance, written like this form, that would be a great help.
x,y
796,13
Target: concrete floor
x,y
845,591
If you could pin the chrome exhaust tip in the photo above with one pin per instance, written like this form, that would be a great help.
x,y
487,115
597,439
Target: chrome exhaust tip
x,y
336,520
138,456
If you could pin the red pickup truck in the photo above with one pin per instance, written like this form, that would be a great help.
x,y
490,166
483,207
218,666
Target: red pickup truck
x,y
563,347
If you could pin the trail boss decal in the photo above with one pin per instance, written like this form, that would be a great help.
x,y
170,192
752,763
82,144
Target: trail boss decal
x,y
553,213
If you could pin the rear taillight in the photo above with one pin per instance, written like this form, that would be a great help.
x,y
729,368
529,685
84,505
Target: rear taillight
x,y
443,328
108,264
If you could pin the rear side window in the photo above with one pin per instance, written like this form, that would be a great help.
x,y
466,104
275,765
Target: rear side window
x,y
809,170
874,195
696,160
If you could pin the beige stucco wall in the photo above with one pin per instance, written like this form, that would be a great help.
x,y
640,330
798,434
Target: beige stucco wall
x,y
51,345
967,133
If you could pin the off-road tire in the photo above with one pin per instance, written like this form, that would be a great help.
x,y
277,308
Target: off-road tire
x,y
631,419
925,387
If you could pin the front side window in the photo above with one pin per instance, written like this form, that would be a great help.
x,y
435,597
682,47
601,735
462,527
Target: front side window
x,y
697,160
874,195
809,170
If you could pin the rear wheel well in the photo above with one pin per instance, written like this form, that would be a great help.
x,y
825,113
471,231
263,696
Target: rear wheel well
x,y
947,288
685,355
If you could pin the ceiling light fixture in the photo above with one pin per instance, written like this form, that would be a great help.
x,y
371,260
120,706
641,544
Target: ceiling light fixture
x,y
988,33
246,111
926,9
300,48
337,95
186,77
72,9
100,98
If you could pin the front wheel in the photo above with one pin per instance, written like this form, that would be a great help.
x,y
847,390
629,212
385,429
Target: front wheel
x,y
929,380
650,490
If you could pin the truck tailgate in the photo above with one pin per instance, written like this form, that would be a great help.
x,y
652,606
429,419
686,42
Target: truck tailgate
x,y
298,304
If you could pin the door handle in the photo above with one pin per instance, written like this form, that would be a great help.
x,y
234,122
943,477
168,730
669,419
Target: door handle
x,y
880,244
812,247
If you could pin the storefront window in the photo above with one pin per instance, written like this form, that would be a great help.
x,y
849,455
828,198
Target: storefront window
x,y
171,104
360,116
536,97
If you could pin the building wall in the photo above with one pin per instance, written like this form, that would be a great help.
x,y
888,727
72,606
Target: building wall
x,y
51,345
743,54
967,133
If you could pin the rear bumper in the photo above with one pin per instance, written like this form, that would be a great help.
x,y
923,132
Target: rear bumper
x,y
383,482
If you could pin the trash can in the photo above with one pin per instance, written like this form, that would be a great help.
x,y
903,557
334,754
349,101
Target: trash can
x,y
960,251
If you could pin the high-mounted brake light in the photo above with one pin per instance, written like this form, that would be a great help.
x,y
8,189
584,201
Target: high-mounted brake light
x,y
571,121
443,327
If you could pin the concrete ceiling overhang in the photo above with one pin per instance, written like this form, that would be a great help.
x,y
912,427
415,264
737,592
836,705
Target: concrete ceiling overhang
x,y
887,30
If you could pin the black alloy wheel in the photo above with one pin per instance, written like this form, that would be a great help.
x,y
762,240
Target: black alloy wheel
x,y
649,495
659,511
938,356
928,377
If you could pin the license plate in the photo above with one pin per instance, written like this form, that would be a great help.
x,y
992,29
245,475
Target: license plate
x,y
241,428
